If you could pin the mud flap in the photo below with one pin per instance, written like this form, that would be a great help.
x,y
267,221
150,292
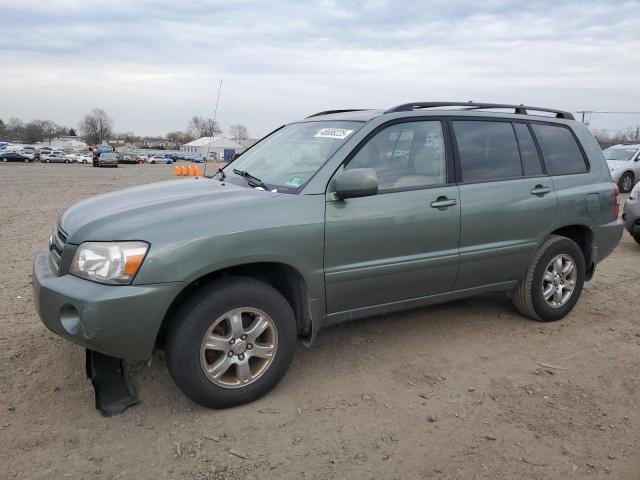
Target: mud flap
x,y
109,375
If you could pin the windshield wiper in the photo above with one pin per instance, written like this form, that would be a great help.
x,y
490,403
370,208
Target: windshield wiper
x,y
251,180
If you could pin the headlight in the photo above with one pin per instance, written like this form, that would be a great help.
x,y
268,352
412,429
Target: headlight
x,y
108,262
635,192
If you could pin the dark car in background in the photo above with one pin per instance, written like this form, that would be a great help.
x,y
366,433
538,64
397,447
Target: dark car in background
x,y
14,157
123,159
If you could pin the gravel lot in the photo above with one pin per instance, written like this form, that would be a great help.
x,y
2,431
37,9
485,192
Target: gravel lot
x,y
452,391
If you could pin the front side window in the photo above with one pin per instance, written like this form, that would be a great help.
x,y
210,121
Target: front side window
x,y
621,154
405,155
560,151
488,150
287,159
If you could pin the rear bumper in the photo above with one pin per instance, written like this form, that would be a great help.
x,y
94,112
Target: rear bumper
x,y
631,216
607,237
121,321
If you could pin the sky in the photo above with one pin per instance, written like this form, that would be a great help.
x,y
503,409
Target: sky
x,y
152,65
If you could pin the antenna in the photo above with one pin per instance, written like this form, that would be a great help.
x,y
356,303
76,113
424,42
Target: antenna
x,y
215,113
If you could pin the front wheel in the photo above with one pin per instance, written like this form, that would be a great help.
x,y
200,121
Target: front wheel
x,y
554,281
636,237
231,342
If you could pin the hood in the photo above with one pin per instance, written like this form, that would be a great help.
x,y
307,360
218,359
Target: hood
x,y
127,214
615,164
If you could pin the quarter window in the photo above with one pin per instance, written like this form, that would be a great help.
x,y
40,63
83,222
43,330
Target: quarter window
x,y
488,150
560,150
405,155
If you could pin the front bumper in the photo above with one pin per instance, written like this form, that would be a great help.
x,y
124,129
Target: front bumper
x,y
631,216
118,320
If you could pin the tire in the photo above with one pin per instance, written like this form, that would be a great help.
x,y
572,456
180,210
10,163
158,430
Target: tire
x,y
626,182
636,237
4,159
47,161
186,353
528,297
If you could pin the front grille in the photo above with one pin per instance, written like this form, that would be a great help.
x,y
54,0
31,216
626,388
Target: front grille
x,y
56,248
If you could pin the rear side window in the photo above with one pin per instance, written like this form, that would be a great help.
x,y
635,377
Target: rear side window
x,y
560,150
488,150
531,165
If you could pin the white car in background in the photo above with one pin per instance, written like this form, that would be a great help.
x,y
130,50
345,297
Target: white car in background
x,y
158,159
624,164
30,153
83,158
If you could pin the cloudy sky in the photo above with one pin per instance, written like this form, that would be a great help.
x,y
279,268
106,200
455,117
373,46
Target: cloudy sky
x,y
153,64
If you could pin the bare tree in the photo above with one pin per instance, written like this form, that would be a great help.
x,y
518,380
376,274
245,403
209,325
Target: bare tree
x,y
33,131
203,127
238,132
178,137
3,129
96,126
15,129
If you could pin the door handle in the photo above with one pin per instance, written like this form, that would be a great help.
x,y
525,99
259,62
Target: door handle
x,y
443,202
540,190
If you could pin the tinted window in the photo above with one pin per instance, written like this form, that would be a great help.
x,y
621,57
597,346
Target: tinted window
x,y
530,159
488,150
405,155
560,151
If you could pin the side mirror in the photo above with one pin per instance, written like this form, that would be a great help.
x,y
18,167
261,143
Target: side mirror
x,y
357,182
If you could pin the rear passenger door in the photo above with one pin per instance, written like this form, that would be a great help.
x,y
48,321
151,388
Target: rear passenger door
x,y
508,203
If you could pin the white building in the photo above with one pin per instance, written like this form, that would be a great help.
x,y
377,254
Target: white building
x,y
64,142
218,148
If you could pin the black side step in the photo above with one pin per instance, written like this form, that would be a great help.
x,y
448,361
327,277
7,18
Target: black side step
x,y
109,375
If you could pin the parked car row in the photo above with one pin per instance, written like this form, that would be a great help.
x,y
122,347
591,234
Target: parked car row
x,y
624,164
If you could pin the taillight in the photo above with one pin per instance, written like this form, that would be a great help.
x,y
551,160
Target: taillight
x,y
616,204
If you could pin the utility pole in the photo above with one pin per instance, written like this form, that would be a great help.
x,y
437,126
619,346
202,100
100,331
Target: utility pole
x,y
585,116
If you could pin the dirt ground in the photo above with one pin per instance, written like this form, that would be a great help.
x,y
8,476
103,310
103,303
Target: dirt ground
x,y
456,391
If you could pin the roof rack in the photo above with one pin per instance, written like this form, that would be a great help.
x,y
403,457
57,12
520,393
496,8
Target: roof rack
x,y
519,109
329,112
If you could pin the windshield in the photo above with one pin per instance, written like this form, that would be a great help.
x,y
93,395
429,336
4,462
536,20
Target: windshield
x,y
288,158
619,154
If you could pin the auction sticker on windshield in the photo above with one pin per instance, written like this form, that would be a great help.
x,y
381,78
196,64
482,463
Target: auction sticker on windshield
x,y
295,182
340,133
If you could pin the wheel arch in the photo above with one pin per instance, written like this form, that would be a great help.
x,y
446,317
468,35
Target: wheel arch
x,y
283,277
584,237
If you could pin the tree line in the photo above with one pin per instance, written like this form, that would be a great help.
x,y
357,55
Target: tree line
x,y
607,138
97,127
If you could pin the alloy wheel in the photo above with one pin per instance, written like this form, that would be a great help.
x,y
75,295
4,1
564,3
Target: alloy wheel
x,y
239,347
559,280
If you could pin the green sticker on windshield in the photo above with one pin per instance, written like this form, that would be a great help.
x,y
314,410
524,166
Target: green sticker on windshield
x,y
295,182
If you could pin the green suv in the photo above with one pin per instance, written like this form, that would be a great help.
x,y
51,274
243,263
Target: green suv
x,y
342,215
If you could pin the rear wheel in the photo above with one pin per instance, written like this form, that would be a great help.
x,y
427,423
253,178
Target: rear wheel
x,y
625,184
636,237
231,342
554,281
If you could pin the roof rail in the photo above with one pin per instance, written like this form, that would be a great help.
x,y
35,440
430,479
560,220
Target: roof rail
x,y
329,112
519,109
